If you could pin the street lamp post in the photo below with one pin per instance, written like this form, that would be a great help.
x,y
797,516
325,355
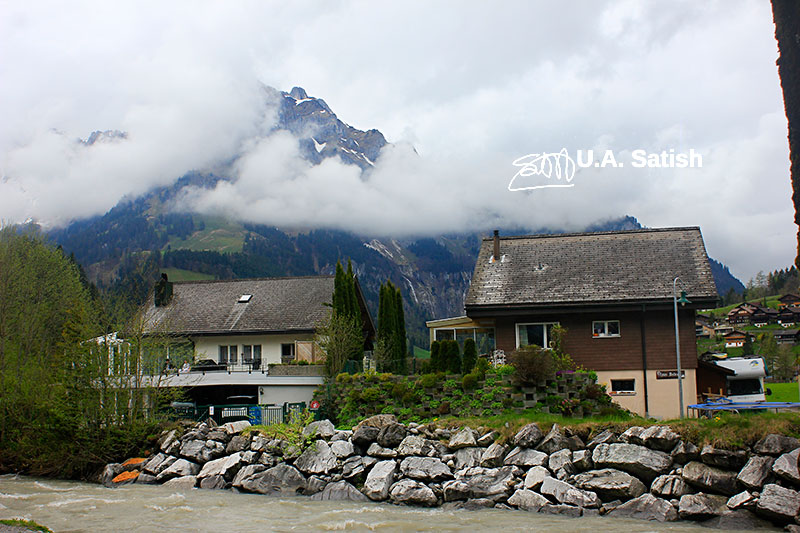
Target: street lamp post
x,y
683,301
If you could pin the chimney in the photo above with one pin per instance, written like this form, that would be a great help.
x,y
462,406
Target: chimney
x,y
496,251
162,294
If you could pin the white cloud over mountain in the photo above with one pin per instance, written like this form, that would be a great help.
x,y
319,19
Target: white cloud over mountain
x,y
470,86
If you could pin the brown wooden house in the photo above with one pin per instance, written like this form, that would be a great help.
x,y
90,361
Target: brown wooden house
x,y
613,291
736,338
742,314
787,336
788,300
789,316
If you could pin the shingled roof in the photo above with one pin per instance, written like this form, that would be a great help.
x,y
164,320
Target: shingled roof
x,y
292,304
585,268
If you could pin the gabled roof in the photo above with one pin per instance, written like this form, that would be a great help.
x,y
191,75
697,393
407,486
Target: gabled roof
x,y
581,268
214,307
737,333
789,298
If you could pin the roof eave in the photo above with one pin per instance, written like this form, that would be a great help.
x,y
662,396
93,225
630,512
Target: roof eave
x,y
698,302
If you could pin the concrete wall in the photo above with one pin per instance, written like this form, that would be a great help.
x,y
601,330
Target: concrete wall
x,y
278,394
662,402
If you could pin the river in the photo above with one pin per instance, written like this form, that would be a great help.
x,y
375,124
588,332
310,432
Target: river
x,y
68,506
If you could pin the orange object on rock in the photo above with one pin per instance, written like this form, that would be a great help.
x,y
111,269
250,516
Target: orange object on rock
x,y
126,477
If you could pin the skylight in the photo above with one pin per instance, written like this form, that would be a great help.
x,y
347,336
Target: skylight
x,y
244,298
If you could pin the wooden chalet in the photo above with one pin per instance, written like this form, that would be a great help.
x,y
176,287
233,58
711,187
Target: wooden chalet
x,y
613,291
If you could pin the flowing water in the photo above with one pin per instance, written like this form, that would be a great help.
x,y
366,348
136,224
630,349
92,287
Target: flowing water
x,y
74,506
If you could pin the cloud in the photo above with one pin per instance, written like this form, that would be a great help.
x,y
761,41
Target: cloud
x,y
470,86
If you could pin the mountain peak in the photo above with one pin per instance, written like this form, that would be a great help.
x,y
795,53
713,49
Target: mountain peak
x,y
322,134
298,93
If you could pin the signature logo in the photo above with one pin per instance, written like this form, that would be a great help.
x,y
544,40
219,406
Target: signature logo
x,y
557,165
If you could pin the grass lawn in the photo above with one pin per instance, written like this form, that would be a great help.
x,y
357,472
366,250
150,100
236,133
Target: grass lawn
x,y
729,431
419,353
179,274
783,392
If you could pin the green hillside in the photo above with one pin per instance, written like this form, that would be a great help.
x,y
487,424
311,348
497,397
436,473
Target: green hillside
x,y
772,301
217,234
179,274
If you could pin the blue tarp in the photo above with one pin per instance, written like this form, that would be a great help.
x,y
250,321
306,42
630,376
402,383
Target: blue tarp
x,y
727,405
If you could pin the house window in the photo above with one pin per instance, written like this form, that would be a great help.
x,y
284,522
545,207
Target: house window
x,y
623,386
605,328
538,334
287,353
444,334
251,355
228,354
483,337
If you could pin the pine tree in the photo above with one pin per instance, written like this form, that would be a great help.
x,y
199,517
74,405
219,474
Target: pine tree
x,y
339,290
392,328
351,295
451,357
470,356
400,345
436,364
345,303
747,348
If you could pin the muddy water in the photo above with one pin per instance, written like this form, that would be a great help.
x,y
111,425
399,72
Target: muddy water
x,y
72,506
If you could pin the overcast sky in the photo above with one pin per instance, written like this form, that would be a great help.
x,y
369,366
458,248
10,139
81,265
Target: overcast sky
x,y
471,86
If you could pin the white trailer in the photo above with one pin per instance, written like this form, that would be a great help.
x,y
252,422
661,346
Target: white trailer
x,y
747,385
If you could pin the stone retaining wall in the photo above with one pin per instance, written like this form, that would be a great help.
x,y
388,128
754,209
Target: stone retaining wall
x,y
643,473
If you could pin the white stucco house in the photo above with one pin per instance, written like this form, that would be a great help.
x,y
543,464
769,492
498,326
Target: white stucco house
x,y
237,328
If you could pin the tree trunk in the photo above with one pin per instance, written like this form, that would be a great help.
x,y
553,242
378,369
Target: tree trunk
x,y
786,14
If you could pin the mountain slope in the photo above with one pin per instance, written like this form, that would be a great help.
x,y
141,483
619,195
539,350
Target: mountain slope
x,y
124,249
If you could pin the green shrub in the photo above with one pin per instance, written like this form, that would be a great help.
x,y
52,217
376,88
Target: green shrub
x,y
450,385
552,400
428,381
482,366
409,397
399,389
344,377
371,395
532,364
562,360
424,366
593,391
504,370
469,381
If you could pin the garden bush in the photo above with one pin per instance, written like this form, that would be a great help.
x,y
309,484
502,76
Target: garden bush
x,y
482,366
469,381
533,365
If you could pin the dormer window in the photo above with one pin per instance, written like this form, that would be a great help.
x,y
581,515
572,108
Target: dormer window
x,y
244,298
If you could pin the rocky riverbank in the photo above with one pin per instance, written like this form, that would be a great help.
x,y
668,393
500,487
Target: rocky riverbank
x,y
642,473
